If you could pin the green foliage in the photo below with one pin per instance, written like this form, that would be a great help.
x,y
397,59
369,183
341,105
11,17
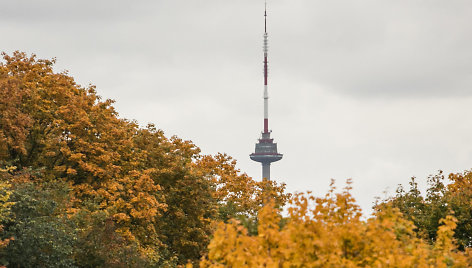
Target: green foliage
x,y
440,201
43,235
99,245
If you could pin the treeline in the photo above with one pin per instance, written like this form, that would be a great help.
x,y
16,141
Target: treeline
x,y
407,230
80,187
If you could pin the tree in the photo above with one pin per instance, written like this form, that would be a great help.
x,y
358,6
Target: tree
x,y
43,235
100,245
459,196
5,209
199,191
71,135
330,232
238,195
158,198
440,200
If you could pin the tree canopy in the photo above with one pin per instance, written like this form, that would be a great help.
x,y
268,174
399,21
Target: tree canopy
x,y
132,187
441,200
329,232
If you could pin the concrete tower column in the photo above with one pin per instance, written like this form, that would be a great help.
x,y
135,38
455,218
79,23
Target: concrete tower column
x,y
266,170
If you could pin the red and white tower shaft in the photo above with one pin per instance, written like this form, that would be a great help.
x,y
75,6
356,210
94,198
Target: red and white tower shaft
x,y
266,149
266,94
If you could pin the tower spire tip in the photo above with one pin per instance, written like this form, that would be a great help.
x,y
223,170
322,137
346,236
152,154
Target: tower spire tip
x,y
265,16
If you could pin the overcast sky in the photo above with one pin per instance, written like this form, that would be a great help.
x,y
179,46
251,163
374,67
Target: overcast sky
x,y
377,91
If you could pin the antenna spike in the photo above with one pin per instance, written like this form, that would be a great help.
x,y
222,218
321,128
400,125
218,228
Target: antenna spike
x,y
265,16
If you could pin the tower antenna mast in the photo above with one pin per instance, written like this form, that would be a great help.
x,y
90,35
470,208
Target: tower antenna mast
x,y
265,17
266,149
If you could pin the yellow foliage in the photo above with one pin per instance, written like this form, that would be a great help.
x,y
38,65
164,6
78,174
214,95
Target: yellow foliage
x,y
330,232
5,204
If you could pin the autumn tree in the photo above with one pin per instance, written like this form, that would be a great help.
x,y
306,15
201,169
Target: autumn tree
x,y
199,191
71,134
330,232
155,197
185,226
459,196
5,210
238,195
100,245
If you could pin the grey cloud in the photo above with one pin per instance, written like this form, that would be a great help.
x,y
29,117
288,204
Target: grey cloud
x,y
380,48
370,89
46,11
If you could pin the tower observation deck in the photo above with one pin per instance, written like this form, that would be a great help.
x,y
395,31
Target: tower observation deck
x,y
266,149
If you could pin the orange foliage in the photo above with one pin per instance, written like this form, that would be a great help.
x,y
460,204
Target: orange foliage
x,y
161,193
240,190
68,133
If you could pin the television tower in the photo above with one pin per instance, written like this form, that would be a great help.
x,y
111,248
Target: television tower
x,y
266,149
